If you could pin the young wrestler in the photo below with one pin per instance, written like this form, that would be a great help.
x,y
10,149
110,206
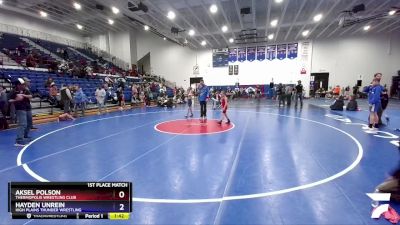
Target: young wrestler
x,y
224,107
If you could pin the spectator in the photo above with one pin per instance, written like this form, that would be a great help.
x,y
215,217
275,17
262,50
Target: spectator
x,y
89,72
65,54
29,106
64,67
53,93
258,92
288,92
398,90
384,102
338,104
100,97
80,100
190,102
336,91
215,99
66,97
355,91
142,98
48,82
134,94
299,93
20,96
347,92
3,108
280,92
30,61
352,105
121,98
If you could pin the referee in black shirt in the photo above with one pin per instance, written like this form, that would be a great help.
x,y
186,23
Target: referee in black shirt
x,y
299,93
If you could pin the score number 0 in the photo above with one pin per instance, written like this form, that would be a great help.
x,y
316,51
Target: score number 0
x,y
121,194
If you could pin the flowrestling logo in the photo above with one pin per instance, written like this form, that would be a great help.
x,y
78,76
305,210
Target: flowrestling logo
x,y
379,209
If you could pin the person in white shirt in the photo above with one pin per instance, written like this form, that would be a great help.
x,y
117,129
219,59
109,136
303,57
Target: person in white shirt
x,y
134,94
100,96
190,95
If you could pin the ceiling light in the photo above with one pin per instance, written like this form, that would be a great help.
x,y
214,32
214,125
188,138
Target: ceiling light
x,y
271,36
317,17
146,27
115,10
278,1
274,22
110,21
43,14
171,15
203,43
80,27
392,12
224,28
305,33
1,2
231,40
191,32
213,8
367,27
165,38
77,6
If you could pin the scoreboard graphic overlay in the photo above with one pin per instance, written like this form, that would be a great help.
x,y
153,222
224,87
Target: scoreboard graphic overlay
x,y
70,200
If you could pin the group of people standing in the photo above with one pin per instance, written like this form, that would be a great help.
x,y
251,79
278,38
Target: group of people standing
x,y
203,96
286,93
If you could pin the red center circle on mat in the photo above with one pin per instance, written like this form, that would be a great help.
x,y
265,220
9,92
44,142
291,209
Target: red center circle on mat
x,y
193,127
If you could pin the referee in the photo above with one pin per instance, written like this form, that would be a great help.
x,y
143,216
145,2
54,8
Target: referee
x,y
203,95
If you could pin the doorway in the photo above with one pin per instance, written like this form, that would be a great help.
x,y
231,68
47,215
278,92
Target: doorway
x,y
321,80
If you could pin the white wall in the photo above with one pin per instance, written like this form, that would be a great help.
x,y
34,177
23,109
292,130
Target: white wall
x,y
100,41
35,24
347,59
120,45
256,72
173,62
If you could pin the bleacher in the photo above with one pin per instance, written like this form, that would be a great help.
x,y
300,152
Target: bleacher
x,y
10,43
38,80
53,47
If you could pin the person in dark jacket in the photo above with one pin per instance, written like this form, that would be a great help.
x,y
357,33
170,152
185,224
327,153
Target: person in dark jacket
x,y
3,108
384,104
280,92
66,98
299,93
338,104
20,96
352,105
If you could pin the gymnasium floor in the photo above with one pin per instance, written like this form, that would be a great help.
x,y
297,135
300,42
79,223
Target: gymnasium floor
x,y
272,166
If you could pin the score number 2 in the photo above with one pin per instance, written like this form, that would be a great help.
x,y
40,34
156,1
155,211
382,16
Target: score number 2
x,y
121,194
